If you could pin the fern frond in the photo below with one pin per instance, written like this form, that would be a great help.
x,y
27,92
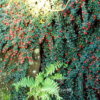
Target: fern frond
x,y
56,76
65,65
43,87
39,78
24,82
50,70
58,97
31,93
50,87
44,96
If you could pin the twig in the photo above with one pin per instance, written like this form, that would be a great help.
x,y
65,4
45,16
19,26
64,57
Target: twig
x,y
57,10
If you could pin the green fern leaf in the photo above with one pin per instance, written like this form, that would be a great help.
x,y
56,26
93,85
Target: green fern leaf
x,y
50,70
65,65
39,78
44,87
44,96
24,82
50,87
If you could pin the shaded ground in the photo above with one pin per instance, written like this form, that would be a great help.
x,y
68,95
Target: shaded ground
x,y
32,71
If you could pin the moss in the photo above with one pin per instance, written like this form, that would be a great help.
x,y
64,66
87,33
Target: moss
x,y
4,95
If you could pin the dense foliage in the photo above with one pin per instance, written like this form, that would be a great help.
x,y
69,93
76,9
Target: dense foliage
x,y
43,87
70,35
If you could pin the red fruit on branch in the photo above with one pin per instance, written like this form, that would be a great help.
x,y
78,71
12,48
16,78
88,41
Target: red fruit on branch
x,y
81,46
49,33
97,79
85,33
12,70
67,62
48,24
80,73
94,16
61,30
85,13
84,83
97,76
51,30
62,10
58,69
84,27
90,71
84,61
68,71
68,11
59,81
62,83
82,66
0,70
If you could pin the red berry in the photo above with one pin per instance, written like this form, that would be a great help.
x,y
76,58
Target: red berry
x,y
51,30
62,83
85,33
90,71
85,13
59,81
76,1
83,27
65,54
61,30
94,16
81,46
62,10
0,70
80,74
58,69
97,79
67,62
97,76
48,24
84,61
70,69
82,66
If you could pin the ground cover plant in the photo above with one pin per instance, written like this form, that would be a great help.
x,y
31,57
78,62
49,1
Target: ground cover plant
x,y
65,31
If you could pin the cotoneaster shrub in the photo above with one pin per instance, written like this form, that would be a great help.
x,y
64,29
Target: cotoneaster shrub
x,y
70,36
